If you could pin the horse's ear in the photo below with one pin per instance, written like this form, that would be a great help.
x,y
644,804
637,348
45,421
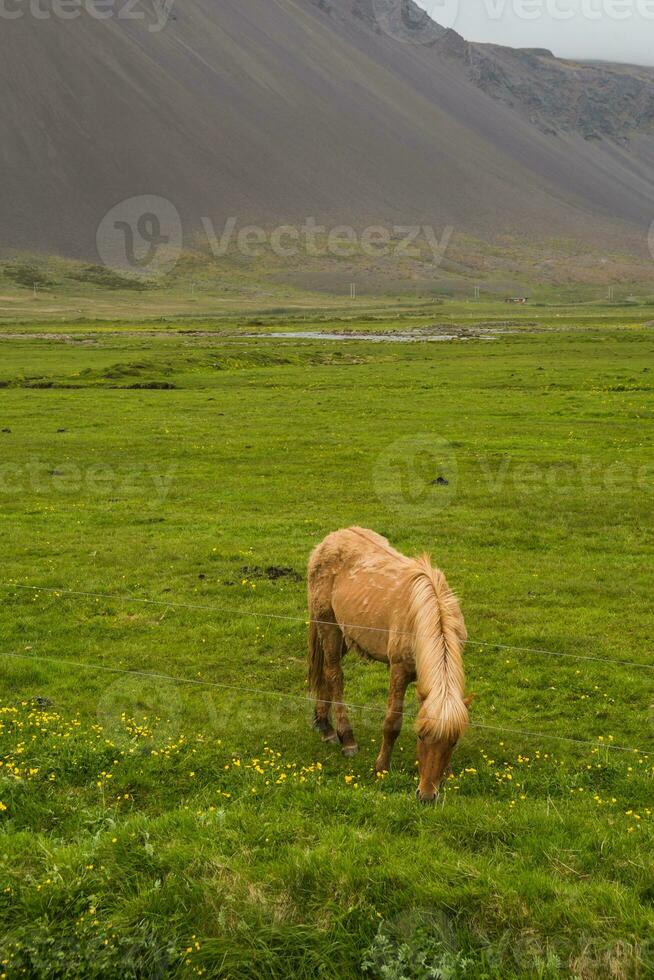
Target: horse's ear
x,y
468,701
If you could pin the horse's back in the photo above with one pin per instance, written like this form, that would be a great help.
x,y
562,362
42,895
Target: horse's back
x,y
359,577
352,544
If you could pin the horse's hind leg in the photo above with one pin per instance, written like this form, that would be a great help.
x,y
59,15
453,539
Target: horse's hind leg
x,y
334,647
320,685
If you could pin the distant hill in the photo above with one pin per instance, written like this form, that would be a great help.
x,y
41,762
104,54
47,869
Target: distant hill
x,y
356,111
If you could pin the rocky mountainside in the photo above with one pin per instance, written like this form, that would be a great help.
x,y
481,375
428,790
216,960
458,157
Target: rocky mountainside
x,y
350,111
595,100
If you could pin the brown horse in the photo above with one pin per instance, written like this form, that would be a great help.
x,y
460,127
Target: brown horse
x,y
367,597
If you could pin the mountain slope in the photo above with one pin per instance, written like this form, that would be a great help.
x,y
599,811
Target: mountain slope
x,y
275,110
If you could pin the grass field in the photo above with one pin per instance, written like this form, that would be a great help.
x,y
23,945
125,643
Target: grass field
x,y
198,827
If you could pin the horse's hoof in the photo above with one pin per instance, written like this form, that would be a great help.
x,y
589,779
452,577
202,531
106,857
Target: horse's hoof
x,y
350,750
331,739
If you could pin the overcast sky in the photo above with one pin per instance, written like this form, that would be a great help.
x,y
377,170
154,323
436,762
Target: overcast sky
x,y
615,30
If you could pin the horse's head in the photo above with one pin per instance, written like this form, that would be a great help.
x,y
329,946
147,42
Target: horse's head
x,y
433,761
434,754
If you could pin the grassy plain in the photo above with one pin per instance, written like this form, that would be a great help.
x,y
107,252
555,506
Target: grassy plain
x,y
156,828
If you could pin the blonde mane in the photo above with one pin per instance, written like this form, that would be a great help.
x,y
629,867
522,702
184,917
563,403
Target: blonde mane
x,y
440,637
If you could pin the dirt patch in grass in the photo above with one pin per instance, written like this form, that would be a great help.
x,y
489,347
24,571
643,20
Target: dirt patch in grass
x,y
271,572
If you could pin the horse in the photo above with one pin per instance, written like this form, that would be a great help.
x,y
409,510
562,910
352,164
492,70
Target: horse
x,y
366,597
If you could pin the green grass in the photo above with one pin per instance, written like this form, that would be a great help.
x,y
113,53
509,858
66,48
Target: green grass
x,y
158,828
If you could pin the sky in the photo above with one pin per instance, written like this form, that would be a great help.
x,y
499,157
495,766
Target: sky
x,y
612,30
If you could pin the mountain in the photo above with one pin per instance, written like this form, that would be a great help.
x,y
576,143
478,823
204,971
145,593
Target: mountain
x,y
351,111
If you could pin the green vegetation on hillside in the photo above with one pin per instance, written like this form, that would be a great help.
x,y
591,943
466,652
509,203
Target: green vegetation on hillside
x,y
555,276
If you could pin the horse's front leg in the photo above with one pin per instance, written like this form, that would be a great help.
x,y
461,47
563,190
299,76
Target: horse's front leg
x,y
400,679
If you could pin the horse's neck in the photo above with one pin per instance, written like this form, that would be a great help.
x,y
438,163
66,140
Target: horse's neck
x,y
371,537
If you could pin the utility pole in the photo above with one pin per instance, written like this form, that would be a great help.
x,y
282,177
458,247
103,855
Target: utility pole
x,y
477,292
353,290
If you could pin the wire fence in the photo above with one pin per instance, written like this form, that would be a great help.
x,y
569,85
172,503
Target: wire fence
x,y
262,614
301,699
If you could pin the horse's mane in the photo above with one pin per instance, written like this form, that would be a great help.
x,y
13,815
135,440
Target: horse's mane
x,y
440,637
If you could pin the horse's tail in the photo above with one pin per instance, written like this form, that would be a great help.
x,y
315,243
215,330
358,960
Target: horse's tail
x,y
440,635
316,658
